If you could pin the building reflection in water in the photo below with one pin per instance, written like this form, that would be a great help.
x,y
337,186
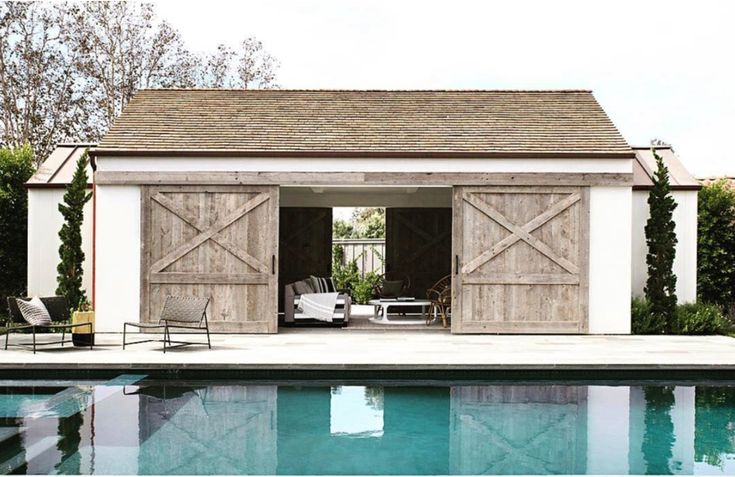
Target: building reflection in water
x,y
490,429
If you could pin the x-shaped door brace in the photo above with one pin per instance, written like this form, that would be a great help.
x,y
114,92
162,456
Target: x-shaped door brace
x,y
207,232
520,232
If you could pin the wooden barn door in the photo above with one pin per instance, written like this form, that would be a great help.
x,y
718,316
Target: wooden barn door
x,y
305,245
215,241
520,259
418,243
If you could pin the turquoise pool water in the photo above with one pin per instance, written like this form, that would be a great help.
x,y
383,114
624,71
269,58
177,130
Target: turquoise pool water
x,y
135,425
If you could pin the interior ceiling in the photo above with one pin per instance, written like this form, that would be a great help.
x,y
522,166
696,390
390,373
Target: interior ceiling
x,y
365,196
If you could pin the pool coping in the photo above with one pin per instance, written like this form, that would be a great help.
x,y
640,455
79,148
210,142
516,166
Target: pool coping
x,y
365,352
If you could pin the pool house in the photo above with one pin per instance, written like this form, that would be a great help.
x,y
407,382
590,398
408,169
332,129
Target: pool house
x,y
523,198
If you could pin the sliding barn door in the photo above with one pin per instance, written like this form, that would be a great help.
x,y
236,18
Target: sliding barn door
x,y
520,258
215,241
418,244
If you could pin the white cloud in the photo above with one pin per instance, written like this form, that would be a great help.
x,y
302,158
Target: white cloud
x,y
661,69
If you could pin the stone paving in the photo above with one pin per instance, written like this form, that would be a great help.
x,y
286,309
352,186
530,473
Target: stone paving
x,y
393,349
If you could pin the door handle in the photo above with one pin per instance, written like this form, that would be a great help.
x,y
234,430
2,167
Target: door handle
x,y
273,264
456,264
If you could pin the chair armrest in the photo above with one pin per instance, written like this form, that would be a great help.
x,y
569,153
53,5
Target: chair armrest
x,y
288,305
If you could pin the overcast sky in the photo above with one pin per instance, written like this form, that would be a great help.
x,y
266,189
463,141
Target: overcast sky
x,y
661,69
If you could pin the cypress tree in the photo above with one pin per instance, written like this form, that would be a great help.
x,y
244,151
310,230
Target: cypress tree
x,y
72,257
661,239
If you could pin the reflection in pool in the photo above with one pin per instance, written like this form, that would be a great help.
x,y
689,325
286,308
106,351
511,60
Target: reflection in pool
x,y
133,425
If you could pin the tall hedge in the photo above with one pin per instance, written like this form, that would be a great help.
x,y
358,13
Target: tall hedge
x,y
16,167
660,231
716,245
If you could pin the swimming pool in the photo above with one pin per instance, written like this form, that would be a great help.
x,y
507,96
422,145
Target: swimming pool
x,y
137,425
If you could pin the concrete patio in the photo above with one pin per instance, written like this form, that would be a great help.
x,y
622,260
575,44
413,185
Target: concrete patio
x,y
312,349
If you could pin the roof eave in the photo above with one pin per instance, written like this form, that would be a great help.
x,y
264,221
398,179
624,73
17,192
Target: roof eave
x,y
98,152
672,187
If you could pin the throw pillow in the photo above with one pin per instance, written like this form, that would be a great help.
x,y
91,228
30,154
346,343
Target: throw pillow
x,y
34,311
302,287
319,284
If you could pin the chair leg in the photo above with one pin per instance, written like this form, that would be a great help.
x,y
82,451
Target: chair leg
x,y
34,339
206,327
165,335
91,336
125,329
63,335
7,335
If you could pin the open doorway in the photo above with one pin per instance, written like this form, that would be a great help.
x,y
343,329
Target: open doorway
x,y
365,239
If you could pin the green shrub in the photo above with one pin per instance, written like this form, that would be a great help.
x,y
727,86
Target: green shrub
x,y
716,244
345,275
642,320
699,319
689,319
362,290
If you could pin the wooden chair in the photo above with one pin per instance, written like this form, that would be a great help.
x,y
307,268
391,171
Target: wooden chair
x,y
440,296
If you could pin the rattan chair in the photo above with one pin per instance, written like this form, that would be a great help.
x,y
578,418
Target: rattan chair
x,y
179,312
440,296
58,309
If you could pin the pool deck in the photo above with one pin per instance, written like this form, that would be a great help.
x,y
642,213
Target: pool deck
x,y
313,349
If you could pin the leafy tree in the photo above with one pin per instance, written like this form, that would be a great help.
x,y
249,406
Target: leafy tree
x,y
16,167
72,257
60,62
660,290
249,66
716,245
122,48
369,222
342,229
40,96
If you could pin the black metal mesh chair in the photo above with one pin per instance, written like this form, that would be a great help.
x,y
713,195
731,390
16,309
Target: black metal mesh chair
x,y
179,312
58,310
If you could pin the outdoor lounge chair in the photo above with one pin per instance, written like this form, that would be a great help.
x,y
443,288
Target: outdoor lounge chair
x,y
58,309
179,312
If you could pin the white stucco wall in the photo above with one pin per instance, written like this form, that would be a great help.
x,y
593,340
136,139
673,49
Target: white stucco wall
x,y
117,278
44,223
610,252
685,262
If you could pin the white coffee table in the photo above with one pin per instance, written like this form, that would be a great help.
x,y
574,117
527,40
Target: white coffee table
x,y
388,304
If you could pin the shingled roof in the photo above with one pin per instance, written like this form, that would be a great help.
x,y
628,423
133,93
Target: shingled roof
x,y
211,122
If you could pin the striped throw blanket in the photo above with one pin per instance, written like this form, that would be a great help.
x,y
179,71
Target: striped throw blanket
x,y
319,306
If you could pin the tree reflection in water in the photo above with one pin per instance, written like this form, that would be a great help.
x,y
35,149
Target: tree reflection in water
x,y
658,439
714,432
68,445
